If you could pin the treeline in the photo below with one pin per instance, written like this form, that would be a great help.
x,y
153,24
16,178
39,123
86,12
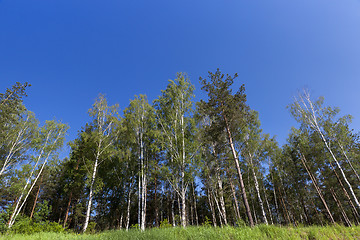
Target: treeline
x,y
176,162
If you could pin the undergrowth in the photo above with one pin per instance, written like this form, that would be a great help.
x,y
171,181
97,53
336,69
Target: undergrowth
x,y
205,232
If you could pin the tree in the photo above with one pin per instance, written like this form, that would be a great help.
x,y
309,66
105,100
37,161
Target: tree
x,y
48,140
139,121
228,112
318,118
174,116
103,136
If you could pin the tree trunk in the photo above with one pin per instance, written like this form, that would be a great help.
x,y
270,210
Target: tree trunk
x,y
173,209
242,186
88,210
348,223
268,207
258,191
195,209
211,204
318,190
236,204
156,206
36,198
129,204
286,214
221,197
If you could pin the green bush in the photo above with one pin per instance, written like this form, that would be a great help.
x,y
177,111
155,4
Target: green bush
x,y
165,223
24,225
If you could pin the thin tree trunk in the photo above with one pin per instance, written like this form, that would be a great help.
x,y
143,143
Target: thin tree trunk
x,y
195,208
242,186
221,197
275,198
258,191
173,209
36,198
156,206
219,209
236,205
341,208
286,214
211,204
120,221
183,187
67,210
318,190
88,209
268,207
128,206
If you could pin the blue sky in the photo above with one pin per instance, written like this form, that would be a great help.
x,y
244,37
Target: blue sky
x,y
71,50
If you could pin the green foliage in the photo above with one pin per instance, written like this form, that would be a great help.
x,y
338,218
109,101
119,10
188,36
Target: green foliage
x,y
24,225
135,226
42,211
165,223
207,222
91,228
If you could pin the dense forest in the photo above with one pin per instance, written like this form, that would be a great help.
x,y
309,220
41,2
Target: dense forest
x,y
178,162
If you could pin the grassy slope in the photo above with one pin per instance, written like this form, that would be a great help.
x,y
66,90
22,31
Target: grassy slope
x,y
259,232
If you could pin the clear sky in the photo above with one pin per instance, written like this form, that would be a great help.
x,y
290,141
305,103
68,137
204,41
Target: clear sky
x,y
71,50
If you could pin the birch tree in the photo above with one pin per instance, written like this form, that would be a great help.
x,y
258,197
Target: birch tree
x,y
174,117
103,136
253,149
49,139
139,121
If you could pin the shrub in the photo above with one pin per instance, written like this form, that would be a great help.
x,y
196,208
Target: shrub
x,y
165,223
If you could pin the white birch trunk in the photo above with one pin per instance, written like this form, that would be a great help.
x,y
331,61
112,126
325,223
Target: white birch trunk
x,y
258,192
221,198
88,209
128,208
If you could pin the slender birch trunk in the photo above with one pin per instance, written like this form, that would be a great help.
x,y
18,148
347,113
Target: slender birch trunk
x,y
242,186
128,206
173,210
258,190
183,187
221,197
88,209
268,207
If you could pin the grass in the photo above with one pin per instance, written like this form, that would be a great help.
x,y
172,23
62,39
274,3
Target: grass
x,y
197,233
